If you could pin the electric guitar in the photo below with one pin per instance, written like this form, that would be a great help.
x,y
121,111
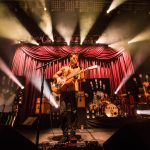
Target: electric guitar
x,y
58,87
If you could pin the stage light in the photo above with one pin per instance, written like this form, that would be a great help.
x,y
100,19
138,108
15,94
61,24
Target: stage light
x,y
124,80
120,45
141,54
8,72
41,15
22,87
125,31
29,41
10,27
129,42
102,39
86,22
36,81
89,11
115,92
108,11
138,58
33,42
138,112
141,36
46,24
68,41
115,4
65,24
143,112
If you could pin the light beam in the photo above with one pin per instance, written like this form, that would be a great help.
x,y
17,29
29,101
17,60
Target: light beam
x,y
8,72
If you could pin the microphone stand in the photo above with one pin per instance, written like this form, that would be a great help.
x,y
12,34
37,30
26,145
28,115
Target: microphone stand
x,y
40,109
41,96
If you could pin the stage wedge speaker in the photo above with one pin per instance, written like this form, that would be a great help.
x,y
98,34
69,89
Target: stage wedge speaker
x,y
132,136
10,139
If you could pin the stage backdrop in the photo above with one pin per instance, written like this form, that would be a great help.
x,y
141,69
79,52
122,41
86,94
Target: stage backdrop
x,y
112,64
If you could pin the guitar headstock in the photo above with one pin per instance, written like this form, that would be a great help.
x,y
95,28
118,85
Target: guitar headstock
x,y
92,67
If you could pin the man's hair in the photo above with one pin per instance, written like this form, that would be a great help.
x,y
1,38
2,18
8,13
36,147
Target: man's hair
x,y
74,53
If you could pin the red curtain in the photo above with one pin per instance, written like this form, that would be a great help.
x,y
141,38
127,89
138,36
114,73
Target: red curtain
x,y
112,64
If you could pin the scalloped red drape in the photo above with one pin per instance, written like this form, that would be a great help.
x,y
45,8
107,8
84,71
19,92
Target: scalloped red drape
x,y
111,63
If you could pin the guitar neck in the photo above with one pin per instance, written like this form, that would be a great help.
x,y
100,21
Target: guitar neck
x,y
77,73
73,75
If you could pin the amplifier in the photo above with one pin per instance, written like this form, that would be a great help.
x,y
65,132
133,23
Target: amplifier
x,y
45,106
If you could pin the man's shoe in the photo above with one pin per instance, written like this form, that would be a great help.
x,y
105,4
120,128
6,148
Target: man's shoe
x,y
72,133
64,139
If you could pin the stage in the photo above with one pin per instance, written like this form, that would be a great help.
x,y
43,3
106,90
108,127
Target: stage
x,y
87,137
49,138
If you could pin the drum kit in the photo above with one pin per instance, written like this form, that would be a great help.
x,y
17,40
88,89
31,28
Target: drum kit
x,y
102,106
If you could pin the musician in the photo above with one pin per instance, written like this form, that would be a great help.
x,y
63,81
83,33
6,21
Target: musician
x,y
146,88
135,89
68,96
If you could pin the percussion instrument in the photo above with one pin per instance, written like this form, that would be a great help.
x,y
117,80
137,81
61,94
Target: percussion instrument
x,y
111,110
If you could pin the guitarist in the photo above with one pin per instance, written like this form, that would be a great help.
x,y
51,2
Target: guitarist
x,y
68,105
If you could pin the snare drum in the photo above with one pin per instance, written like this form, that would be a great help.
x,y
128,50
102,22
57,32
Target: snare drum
x,y
111,110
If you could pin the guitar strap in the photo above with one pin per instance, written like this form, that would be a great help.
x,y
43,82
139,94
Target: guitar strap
x,y
73,67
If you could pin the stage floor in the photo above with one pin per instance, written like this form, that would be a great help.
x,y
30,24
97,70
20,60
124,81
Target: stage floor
x,y
51,136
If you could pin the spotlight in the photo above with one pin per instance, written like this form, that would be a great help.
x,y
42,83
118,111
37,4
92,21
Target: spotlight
x,y
143,112
8,72
115,4
115,92
108,11
129,42
22,87
138,112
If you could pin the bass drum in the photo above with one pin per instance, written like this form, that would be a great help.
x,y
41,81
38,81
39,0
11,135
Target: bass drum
x,y
111,110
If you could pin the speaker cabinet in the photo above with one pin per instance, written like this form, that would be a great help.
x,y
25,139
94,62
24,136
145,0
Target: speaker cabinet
x,y
132,136
45,106
81,100
10,139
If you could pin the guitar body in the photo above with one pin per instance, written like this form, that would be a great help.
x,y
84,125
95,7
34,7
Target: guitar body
x,y
58,88
66,81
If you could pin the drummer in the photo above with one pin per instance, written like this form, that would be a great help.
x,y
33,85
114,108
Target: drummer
x,y
105,99
97,97
102,99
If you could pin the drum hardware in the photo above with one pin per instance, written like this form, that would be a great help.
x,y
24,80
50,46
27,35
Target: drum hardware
x,y
93,116
93,111
88,116
111,110
104,109
87,111
99,95
98,113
